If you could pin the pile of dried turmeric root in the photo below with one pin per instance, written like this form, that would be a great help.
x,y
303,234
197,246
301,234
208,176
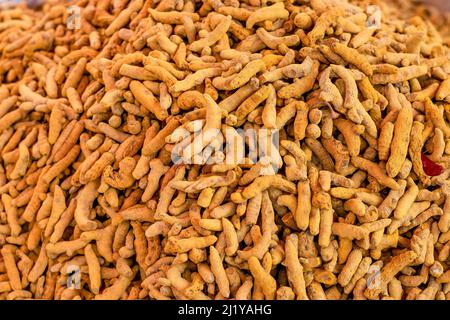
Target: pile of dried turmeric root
x,y
104,105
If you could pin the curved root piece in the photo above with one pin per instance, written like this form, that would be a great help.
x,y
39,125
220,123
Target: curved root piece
x,y
123,178
263,183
